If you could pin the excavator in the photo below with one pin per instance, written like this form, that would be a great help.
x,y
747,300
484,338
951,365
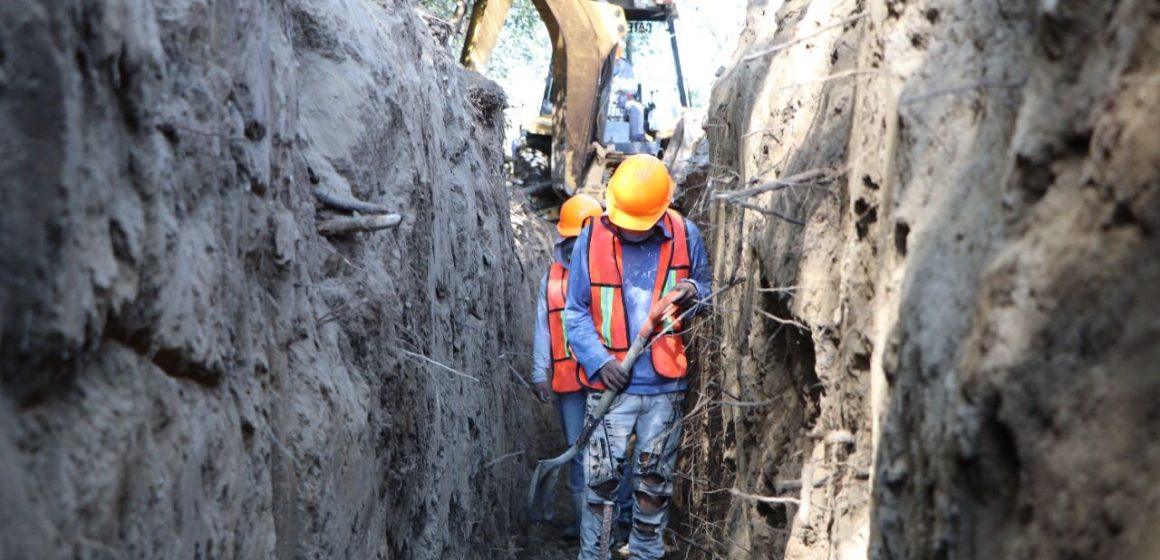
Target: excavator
x,y
586,121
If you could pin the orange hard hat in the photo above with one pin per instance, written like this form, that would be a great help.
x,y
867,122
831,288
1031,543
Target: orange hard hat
x,y
639,192
573,213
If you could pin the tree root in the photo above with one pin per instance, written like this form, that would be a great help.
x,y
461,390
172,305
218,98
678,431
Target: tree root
x,y
352,224
349,204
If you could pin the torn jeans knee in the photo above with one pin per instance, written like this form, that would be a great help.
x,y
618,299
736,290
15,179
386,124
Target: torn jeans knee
x,y
601,491
654,474
605,473
652,492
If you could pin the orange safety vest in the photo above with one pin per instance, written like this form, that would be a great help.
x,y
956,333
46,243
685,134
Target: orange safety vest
x,y
566,371
607,307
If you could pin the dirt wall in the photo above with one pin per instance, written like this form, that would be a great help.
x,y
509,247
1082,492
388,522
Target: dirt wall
x,y
945,213
189,369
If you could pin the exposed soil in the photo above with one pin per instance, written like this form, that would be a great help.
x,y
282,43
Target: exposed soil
x,y
948,321
189,369
942,215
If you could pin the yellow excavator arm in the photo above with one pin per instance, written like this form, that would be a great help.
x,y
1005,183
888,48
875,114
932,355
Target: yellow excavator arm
x,y
487,19
584,34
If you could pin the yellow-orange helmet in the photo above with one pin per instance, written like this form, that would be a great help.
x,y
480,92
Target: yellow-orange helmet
x,y
639,192
573,213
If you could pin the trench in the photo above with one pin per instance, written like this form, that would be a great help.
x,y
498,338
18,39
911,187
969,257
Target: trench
x,y
267,288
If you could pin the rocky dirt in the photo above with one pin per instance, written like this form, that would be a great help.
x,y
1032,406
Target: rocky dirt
x,y
189,369
949,318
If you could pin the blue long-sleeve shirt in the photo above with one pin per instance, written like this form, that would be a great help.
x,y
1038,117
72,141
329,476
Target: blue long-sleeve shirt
x,y
542,342
640,269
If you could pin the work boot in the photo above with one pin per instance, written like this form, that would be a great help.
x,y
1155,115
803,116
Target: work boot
x,y
620,533
621,550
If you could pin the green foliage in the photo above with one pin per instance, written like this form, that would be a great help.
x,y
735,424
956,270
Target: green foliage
x,y
523,43
443,9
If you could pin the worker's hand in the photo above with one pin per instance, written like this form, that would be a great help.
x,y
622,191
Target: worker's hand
x,y
543,392
682,296
687,294
613,375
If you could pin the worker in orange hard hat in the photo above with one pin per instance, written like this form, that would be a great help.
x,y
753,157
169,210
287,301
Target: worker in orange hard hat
x,y
639,258
551,353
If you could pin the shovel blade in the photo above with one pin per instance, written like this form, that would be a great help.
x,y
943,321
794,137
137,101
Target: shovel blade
x,y
544,482
540,492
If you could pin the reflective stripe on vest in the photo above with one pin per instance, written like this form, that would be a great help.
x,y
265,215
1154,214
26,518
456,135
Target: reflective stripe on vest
x,y
605,271
565,369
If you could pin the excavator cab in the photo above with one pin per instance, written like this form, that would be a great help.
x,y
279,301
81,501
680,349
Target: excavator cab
x,y
585,127
537,131
648,88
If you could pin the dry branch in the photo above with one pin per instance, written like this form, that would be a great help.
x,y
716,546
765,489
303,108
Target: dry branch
x,y
783,290
337,312
787,44
691,542
438,364
517,375
502,457
352,224
839,436
349,204
765,499
797,179
777,319
760,131
765,402
984,84
831,77
787,485
803,514
766,211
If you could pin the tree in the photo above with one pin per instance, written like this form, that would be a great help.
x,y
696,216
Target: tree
x,y
448,10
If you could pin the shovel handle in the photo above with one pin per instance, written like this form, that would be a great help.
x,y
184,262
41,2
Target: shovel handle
x,y
546,467
638,346
609,395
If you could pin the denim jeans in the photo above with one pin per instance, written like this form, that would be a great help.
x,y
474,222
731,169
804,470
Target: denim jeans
x,y
655,419
572,414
